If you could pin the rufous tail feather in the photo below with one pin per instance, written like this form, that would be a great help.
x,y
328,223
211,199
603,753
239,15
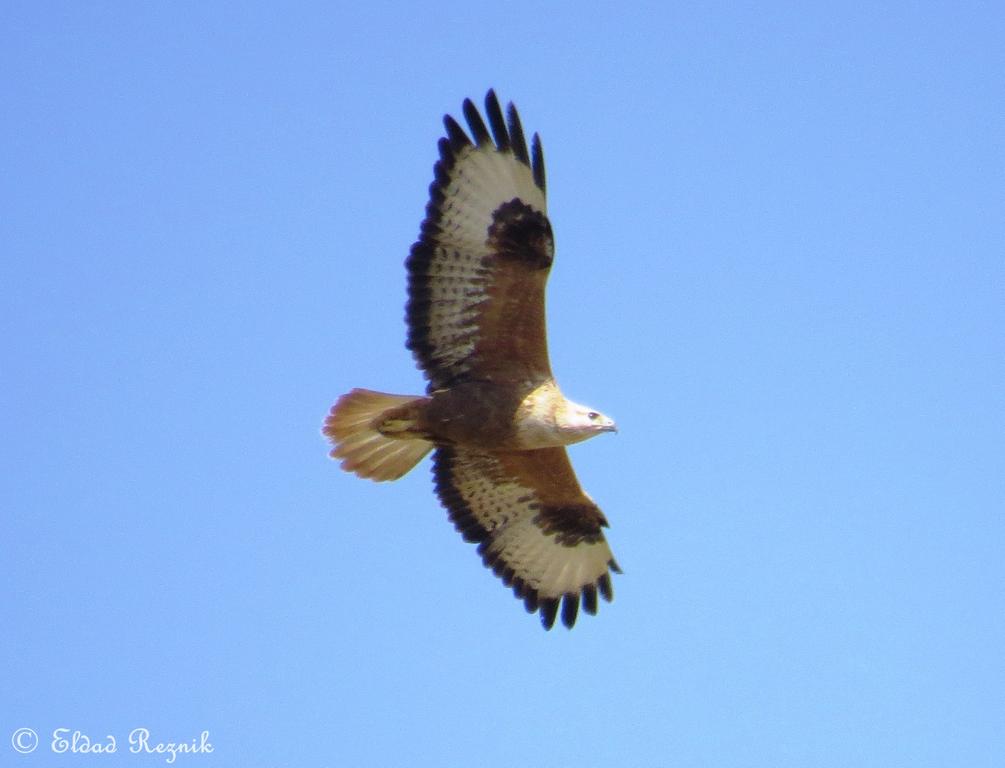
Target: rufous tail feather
x,y
375,434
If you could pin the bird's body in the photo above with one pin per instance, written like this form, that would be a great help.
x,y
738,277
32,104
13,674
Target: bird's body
x,y
493,411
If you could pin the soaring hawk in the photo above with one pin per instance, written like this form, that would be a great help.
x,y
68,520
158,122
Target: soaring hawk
x,y
492,412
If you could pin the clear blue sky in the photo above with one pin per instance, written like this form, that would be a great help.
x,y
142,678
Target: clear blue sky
x,y
780,266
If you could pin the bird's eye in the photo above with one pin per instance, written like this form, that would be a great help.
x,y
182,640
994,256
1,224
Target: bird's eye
x,y
593,415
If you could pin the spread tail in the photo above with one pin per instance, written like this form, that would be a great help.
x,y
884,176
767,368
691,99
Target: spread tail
x,y
375,434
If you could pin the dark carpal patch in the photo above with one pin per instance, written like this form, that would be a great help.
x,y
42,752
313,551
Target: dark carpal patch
x,y
572,525
521,233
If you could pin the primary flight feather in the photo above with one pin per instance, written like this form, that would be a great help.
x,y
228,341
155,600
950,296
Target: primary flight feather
x,y
492,412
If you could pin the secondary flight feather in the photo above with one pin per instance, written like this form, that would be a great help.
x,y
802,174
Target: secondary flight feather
x,y
493,414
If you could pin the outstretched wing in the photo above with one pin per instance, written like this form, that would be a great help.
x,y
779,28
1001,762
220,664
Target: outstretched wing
x,y
536,528
476,276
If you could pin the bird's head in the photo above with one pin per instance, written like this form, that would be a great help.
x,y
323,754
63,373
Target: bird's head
x,y
579,422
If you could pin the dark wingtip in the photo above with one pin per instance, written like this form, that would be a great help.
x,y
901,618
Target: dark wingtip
x,y
518,142
604,585
537,163
496,121
549,610
458,138
530,601
475,122
590,599
570,609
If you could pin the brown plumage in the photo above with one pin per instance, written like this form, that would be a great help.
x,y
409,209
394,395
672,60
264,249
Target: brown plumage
x,y
493,413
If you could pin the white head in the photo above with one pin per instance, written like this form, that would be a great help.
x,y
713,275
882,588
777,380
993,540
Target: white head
x,y
578,423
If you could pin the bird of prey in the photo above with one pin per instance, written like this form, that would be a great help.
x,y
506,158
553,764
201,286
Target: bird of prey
x,y
492,412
